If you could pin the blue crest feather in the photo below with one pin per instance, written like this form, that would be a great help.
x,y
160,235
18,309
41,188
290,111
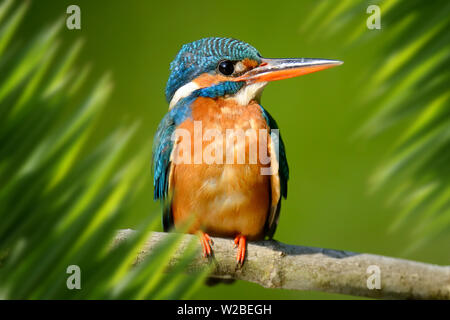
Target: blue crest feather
x,y
203,56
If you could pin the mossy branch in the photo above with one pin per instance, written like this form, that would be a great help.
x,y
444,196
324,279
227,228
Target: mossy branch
x,y
276,265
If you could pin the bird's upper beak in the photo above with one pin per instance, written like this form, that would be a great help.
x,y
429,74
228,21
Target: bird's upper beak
x,y
277,69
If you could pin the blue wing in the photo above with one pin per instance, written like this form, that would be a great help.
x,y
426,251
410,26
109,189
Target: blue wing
x,y
162,149
283,172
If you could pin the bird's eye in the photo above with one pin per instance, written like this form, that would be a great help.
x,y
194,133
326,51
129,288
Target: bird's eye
x,y
226,67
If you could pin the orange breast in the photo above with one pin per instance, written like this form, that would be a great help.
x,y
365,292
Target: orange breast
x,y
225,193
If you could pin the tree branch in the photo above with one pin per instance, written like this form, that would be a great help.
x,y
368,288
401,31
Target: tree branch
x,y
276,265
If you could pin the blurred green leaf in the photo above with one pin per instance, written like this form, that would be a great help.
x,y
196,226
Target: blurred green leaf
x,y
409,90
61,199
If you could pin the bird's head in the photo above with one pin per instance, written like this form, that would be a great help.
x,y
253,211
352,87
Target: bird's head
x,y
231,68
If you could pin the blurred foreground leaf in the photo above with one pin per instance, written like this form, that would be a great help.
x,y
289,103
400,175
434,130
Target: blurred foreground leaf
x,y
408,89
61,201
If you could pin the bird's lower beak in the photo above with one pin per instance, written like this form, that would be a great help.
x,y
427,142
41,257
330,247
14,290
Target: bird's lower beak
x,y
278,69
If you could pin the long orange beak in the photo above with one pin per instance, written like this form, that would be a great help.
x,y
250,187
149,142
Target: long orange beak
x,y
278,69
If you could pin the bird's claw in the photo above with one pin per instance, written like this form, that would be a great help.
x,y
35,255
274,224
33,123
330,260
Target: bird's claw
x,y
206,242
241,243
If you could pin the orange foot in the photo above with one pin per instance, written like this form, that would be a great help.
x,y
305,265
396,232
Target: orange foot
x,y
206,243
241,242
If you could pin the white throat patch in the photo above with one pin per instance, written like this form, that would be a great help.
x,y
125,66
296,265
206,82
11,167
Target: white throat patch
x,y
249,92
246,94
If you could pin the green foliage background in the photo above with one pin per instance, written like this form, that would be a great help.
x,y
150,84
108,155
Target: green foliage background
x,y
336,133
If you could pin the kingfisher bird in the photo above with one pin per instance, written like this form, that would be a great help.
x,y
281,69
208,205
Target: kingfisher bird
x,y
215,85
